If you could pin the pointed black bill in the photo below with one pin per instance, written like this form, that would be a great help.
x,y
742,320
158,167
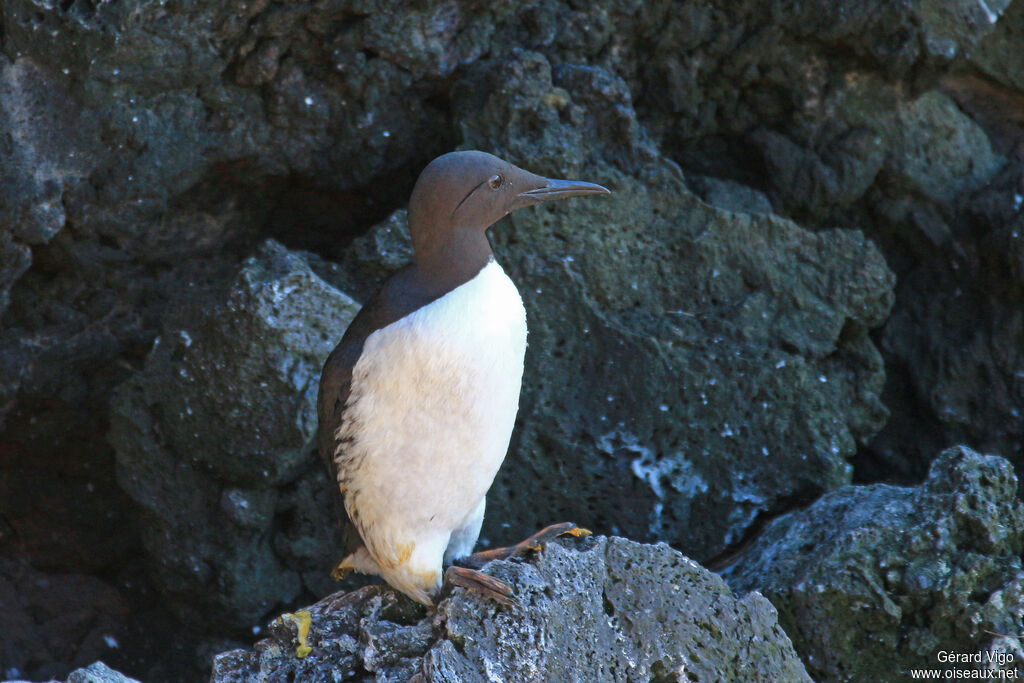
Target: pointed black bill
x,y
560,189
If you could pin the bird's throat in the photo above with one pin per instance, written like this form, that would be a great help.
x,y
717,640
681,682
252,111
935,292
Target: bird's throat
x,y
442,265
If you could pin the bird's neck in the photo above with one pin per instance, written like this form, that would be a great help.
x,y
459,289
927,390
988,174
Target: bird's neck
x,y
445,262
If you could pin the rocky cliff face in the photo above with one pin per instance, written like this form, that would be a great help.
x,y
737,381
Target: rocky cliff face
x,y
809,274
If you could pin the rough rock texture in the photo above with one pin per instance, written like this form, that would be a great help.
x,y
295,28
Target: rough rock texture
x,y
97,672
607,609
210,439
950,225
873,581
968,368
76,617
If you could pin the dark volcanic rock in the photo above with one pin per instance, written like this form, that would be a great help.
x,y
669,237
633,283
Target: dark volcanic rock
x,y
872,581
50,623
97,672
212,436
608,610
962,344
1006,38
956,339
913,153
37,158
713,74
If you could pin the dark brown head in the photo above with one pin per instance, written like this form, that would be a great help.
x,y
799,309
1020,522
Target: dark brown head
x,y
461,194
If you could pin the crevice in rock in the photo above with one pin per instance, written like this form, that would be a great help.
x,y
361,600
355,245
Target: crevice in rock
x,y
804,498
609,608
661,673
306,215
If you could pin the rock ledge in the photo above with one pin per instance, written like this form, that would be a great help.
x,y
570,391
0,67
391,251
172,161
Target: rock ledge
x,y
601,609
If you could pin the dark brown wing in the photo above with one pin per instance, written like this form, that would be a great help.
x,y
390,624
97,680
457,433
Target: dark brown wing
x,y
335,384
396,299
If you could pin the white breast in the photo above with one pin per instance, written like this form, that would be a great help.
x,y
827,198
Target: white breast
x,y
432,406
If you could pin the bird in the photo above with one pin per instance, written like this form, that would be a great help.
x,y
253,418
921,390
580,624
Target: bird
x,y
417,403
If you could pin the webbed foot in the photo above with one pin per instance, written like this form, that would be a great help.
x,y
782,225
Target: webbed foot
x,y
535,542
478,582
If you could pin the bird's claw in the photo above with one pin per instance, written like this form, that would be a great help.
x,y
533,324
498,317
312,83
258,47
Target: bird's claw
x,y
478,582
578,532
533,543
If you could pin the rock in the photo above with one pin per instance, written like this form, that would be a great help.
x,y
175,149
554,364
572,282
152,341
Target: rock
x,y
993,106
923,149
98,672
80,321
606,609
953,343
384,249
729,195
270,336
872,581
1006,38
942,29
50,623
219,424
818,178
927,184
40,156
714,74
15,259
37,159
935,151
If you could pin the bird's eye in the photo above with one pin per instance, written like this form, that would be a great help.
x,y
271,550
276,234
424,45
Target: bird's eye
x,y
495,182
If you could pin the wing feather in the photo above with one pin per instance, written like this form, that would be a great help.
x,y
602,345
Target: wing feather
x,y
391,303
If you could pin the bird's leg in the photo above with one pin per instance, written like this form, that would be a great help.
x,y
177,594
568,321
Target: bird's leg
x,y
465,573
535,542
478,582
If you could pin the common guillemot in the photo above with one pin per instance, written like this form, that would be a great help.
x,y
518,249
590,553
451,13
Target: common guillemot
x,y
418,400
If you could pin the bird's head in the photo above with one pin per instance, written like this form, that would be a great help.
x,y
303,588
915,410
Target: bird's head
x,y
467,192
